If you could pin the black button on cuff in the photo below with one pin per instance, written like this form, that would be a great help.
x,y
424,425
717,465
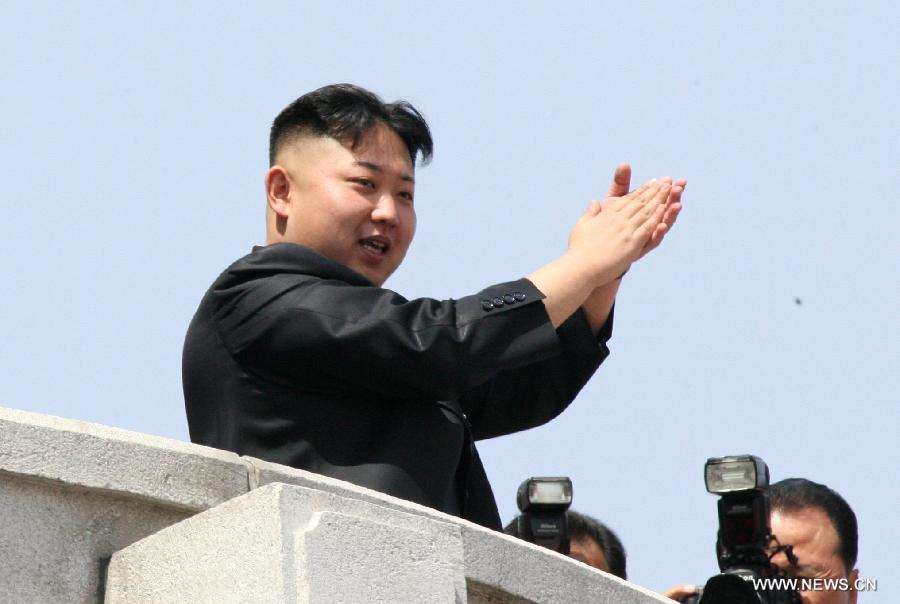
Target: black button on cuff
x,y
498,302
519,296
509,299
486,305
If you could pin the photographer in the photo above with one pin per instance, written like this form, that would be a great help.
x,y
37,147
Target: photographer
x,y
821,530
590,542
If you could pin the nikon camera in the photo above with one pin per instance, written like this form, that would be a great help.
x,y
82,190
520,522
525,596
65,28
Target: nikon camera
x,y
543,501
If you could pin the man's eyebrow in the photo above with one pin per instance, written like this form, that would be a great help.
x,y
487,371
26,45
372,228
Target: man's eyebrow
x,y
376,168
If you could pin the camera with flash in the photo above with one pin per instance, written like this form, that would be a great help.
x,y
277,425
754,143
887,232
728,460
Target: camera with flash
x,y
743,545
543,502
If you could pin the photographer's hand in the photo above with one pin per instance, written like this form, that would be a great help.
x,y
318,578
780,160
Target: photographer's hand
x,y
677,592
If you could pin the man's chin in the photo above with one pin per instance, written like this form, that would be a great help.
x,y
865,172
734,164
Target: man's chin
x,y
374,274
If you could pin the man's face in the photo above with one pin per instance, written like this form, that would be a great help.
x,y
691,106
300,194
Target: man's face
x,y
816,546
354,206
587,551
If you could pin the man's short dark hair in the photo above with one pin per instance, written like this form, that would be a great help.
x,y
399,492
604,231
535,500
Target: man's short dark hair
x,y
346,112
792,494
583,527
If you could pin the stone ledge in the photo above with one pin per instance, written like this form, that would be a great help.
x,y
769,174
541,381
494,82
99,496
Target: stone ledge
x,y
55,538
494,563
106,487
161,470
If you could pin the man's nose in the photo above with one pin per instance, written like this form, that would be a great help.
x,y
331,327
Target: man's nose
x,y
385,210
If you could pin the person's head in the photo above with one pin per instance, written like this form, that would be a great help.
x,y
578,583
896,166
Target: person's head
x,y
342,177
590,541
594,543
822,529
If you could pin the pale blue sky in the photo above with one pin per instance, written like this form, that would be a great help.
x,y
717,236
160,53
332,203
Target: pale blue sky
x,y
133,144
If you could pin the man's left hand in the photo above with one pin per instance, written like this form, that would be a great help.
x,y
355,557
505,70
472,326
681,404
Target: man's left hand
x,y
620,186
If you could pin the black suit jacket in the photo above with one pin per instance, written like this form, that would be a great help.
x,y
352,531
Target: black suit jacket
x,y
296,359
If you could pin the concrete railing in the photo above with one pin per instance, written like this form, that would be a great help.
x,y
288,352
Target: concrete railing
x,y
91,514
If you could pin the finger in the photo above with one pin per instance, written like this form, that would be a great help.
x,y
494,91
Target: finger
x,y
659,233
671,215
645,230
634,196
675,194
636,192
649,246
656,200
656,238
646,204
621,181
657,209
651,215
637,202
676,592
657,213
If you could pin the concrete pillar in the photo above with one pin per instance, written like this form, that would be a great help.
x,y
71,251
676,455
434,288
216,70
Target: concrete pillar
x,y
283,543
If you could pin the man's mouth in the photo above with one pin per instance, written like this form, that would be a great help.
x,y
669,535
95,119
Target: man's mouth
x,y
376,245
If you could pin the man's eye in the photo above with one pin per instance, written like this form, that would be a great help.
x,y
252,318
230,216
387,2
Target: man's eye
x,y
406,195
365,182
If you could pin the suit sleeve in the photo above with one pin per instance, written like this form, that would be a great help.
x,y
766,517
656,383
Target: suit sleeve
x,y
295,327
528,396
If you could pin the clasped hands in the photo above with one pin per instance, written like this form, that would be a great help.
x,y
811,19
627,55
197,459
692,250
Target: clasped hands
x,y
625,226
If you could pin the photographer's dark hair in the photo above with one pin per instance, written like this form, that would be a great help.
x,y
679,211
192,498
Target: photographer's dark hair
x,y
582,527
795,493
346,112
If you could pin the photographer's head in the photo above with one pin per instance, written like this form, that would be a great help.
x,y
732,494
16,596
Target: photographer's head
x,y
590,542
821,527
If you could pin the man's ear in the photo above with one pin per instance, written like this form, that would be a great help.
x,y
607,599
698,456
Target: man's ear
x,y
852,576
278,191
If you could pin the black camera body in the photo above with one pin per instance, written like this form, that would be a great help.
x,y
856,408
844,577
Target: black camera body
x,y
743,544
